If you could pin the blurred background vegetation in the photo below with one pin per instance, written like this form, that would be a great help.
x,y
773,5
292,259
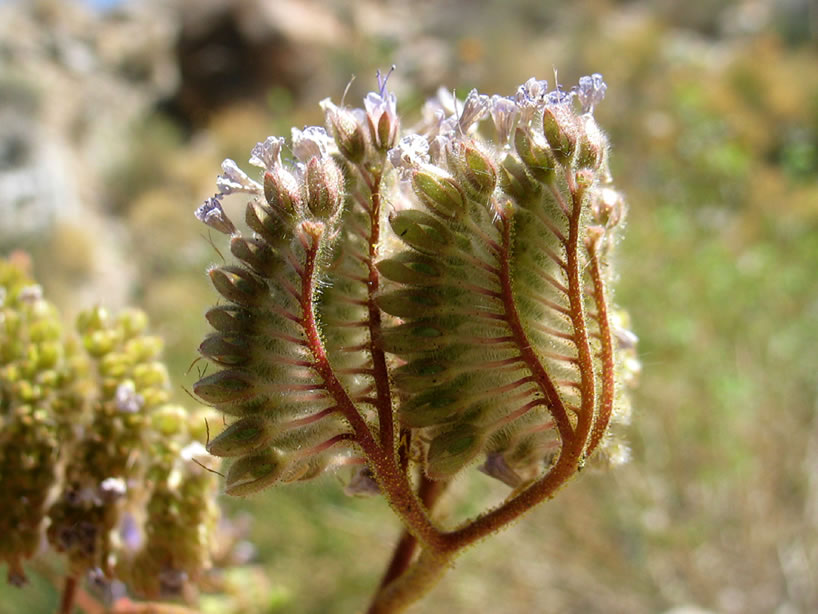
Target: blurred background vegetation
x,y
113,122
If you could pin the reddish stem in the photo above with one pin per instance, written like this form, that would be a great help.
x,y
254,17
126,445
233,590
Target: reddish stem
x,y
69,595
393,481
429,492
608,380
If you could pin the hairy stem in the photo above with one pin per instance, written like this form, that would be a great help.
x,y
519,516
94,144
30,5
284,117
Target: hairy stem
x,y
429,492
383,462
412,585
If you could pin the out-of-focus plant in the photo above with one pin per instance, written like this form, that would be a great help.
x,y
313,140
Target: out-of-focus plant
x,y
411,303
92,455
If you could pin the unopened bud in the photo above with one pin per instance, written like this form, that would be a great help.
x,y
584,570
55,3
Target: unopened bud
x,y
238,285
324,185
254,473
241,438
452,450
561,130
227,386
440,194
347,128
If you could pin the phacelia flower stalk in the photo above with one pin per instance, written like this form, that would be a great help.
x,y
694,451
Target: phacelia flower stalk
x,y
437,299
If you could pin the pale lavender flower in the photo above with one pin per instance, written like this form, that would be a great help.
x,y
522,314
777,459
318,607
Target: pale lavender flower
x,y
127,400
411,152
497,467
590,91
311,142
382,113
504,114
212,214
475,109
31,294
233,179
267,155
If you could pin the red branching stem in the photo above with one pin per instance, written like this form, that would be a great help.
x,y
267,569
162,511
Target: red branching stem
x,y
393,481
605,335
429,492
573,440
386,421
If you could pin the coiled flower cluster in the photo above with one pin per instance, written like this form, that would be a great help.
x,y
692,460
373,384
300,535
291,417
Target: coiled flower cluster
x,y
434,299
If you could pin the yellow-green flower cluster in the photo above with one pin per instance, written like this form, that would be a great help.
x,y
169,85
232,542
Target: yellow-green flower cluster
x,y
181,511
109,462
89,442
39,400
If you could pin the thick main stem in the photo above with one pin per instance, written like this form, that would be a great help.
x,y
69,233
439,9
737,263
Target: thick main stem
x,y
412,585
429,492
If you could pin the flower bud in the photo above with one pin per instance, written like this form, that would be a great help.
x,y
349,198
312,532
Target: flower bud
x,y
230,319
347,129
535,155
421,231
452,450
251,474
281,191
474,169
440,194
226,350
238,285
257,254
561,129
324,184
410,268
227,386
241,438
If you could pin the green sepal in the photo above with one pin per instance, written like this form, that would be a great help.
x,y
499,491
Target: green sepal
x,y
251,474
241,438
257,254
421,231
452,450
410,268
238,285
227,386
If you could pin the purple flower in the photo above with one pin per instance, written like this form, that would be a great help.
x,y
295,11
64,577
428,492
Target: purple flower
x,y
590,91
233,179
212,214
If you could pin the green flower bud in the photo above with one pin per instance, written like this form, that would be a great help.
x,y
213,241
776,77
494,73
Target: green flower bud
x,y
251,474
230,319
410,268
537,157
231,351
241,438
238,285
324,187
257,254
452,450
440,194
561,128
421,231
227,386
